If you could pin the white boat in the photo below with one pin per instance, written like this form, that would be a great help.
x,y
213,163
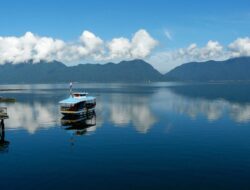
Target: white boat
x,y
78,104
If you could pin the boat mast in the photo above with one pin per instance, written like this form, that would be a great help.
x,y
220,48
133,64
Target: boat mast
x,y
70,88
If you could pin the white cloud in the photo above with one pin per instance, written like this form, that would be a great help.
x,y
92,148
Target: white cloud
x,y
166,60
119,47
91,42
142,44
89,47
27,47
213,50
168,34
240,47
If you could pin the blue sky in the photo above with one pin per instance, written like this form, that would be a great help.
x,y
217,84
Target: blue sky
x,y
174,24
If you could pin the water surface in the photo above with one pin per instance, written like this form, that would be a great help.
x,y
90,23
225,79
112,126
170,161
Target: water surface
x,y
142,136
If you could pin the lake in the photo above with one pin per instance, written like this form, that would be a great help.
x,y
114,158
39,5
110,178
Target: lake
x,y
142,136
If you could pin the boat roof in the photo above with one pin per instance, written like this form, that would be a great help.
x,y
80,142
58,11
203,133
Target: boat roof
x,y
75,100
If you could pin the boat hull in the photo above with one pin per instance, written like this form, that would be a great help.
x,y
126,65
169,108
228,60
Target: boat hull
x,y
80,112
74,113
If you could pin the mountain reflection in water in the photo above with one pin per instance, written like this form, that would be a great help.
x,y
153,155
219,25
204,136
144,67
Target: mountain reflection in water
x,y
139,108
211,100
141,136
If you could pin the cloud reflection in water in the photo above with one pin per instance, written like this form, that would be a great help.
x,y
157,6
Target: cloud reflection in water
x,y
140,110
31,116
132,109
166,100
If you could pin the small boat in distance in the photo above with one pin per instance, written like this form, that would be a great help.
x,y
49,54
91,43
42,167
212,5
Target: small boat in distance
x,y
78,104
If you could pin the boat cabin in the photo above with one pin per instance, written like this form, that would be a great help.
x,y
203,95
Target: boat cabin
x,y
79,94
77,104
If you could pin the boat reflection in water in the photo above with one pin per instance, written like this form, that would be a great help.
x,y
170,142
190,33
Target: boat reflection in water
x,y
80,125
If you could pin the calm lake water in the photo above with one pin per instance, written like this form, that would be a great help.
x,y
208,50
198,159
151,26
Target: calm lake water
x,y
142,136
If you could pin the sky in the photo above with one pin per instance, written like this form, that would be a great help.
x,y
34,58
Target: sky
x,y
165,33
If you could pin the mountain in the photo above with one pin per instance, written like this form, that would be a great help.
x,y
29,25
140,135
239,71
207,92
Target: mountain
x,y
235,69
52,72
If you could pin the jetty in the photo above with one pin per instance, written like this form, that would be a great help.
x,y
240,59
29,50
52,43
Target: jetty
x,y
3,143
3,113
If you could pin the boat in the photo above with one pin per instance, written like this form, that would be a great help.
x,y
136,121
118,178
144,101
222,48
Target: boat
x,y
78,104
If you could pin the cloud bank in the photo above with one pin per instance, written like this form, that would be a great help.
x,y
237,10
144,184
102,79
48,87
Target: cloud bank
x,y
92,48
88,47
213,50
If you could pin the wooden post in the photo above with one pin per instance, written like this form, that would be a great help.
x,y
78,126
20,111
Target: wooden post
x,y
2,132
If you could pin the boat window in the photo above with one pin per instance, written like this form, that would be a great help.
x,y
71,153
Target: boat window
x,y
80,94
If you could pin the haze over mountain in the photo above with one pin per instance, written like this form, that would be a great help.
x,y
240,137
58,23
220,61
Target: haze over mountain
x,y
236,69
